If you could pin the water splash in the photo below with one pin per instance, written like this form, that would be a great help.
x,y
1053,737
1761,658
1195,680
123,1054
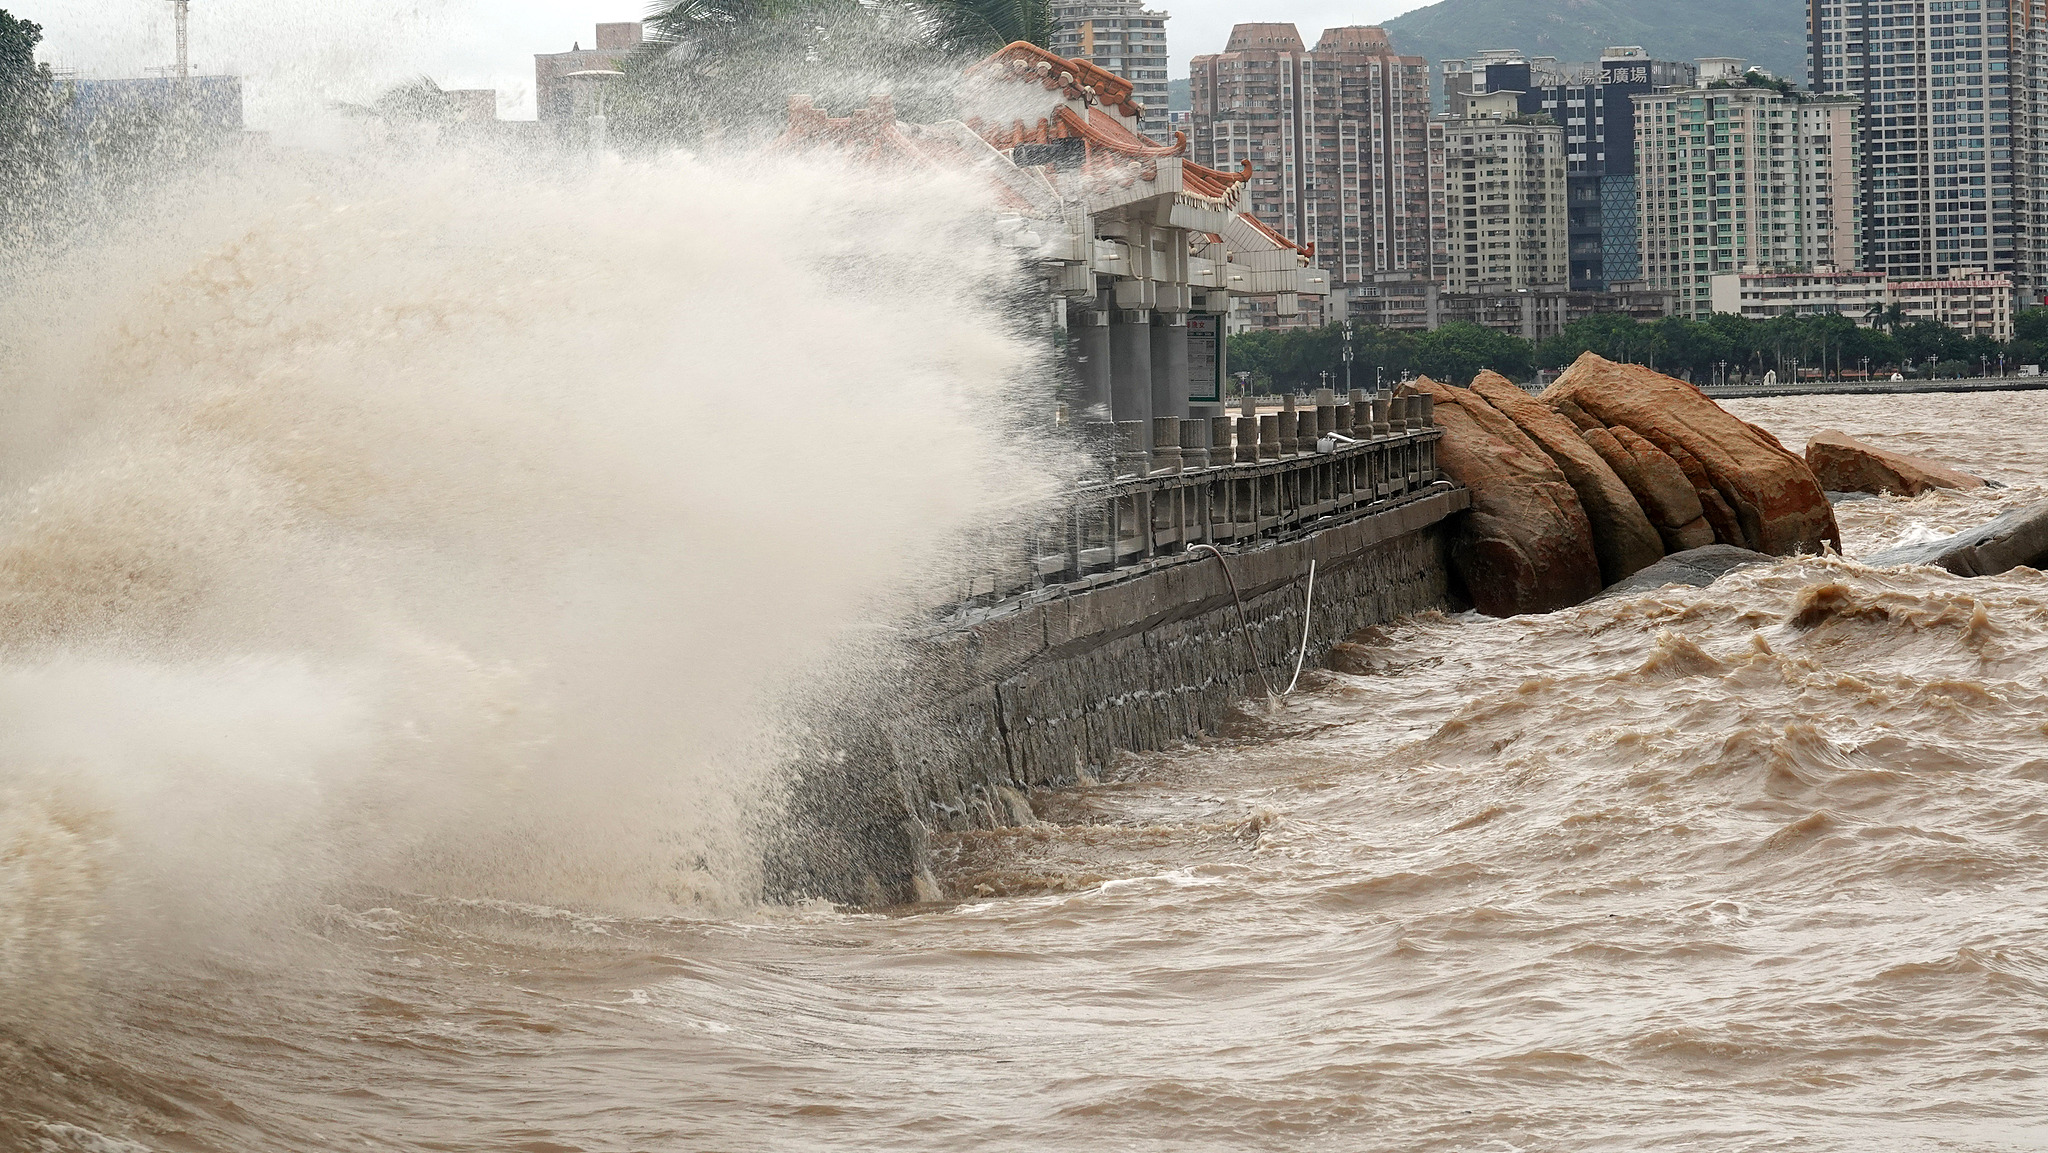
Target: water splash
x,y
447,528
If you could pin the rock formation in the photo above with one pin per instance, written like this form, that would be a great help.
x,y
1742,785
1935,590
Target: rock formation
x,y
1526,546
2018,538
1844,464
1698,567
1623,537
1659,485
1777,505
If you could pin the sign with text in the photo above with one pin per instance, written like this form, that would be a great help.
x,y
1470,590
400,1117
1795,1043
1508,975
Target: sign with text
x,y
1205,357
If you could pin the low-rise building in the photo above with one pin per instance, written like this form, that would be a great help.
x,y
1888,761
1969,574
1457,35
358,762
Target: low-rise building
x,y
1971,301
1540,313
1761,294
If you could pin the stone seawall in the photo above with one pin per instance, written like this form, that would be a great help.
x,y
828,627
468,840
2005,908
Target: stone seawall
x,y
1050,689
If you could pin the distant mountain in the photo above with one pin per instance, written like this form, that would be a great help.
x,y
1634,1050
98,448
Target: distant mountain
x,y
1767,33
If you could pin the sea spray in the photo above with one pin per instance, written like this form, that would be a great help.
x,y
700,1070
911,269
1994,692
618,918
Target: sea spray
x,y
444,529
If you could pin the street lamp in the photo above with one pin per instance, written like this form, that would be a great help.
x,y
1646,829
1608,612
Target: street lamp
x,y
1983,366
1347,356
1866,368
1930,368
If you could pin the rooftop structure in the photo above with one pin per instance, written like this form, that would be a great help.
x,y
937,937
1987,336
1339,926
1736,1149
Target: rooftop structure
x,y
561,103
1141,249
1121,37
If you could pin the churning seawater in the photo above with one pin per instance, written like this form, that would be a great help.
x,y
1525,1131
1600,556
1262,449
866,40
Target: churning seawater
x,y
398,579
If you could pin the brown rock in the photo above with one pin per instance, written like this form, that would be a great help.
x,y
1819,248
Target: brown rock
x,y
1623,537
1727,529
1660,485
1576,415
1778,505
1526,546
1844,464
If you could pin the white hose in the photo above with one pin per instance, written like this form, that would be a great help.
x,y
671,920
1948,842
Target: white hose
x,y
1308,608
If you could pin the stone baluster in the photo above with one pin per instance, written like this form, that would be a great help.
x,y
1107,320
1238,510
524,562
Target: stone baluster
x,y
1165,444
1219,441
1381,427
1325,396
1269,436
1194,444
1130,448
1247,439
1307,425
1288,426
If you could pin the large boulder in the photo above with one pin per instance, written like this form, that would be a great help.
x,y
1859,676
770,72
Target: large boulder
x,y
2018,538
1779,507
1659,485
1727,529
1697,567
1526,545
1844,464
1623,537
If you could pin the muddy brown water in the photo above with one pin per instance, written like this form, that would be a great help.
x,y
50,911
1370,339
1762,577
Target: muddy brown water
x,y
1670,872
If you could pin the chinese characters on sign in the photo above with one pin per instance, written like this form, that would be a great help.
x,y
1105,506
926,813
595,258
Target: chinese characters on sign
x,y
1613,76
1205,357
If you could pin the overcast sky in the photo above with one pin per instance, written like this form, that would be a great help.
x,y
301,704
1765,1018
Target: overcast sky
x,y
299,54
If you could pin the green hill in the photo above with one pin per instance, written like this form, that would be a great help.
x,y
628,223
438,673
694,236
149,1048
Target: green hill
x,y
1767,33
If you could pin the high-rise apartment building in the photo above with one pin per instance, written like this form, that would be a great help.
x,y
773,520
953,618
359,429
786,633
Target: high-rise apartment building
x,y
1497,197
1738,171
1954,167
1122,37
1337,137
1594,105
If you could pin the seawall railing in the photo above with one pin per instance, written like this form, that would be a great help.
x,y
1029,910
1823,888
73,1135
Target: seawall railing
x,y
1223,481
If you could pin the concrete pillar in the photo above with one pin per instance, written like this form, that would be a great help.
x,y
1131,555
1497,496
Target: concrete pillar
x,y
1341,420
1326,416
1130,366
1247,439
1382,424
1288,425
1306,426
1220,452
1088,348
1169,364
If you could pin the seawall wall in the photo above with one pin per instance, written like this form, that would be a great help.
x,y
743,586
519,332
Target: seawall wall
x,y
1049,689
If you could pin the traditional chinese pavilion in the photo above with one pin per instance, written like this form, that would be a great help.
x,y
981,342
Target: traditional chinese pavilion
x,y
1142,250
